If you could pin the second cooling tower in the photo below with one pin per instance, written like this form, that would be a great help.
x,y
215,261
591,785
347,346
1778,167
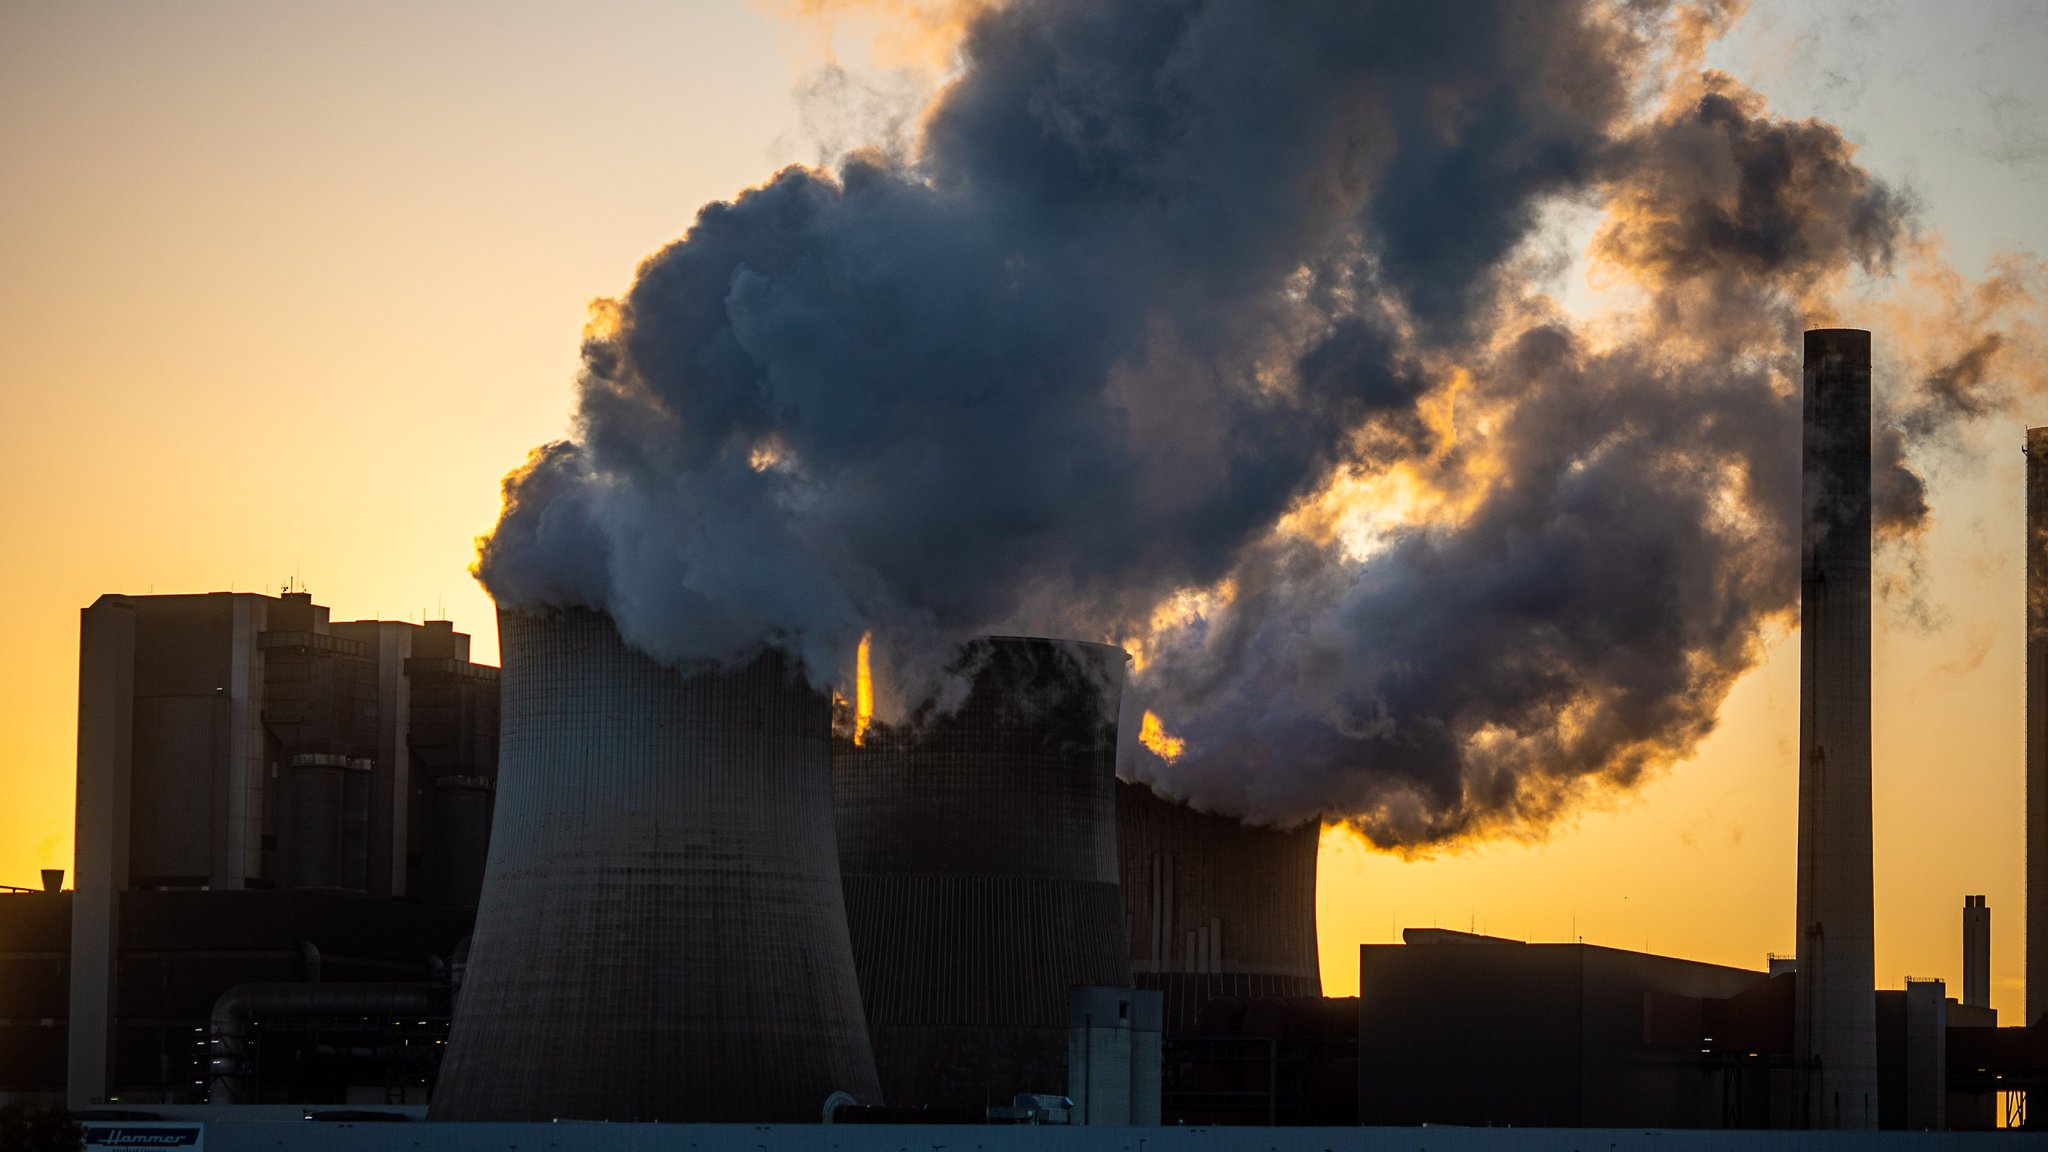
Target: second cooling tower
x,y
1217,907
979,853
661,935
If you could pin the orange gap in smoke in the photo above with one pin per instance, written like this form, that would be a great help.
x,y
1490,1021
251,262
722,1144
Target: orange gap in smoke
x,y
863,690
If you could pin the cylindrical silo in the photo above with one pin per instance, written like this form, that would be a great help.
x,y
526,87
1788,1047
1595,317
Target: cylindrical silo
x,y
462,838
979,852
1835,1023
661,934
314,793
355,825
1216,907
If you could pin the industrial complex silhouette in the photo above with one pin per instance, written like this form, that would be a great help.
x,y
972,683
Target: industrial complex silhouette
x,y
337,867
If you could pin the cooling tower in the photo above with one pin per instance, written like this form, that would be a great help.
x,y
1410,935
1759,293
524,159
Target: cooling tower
x,y
1216,907
1835,1025
979,852
661,934
2037,727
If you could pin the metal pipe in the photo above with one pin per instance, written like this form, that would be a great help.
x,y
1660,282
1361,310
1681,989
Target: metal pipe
x,y
242,1003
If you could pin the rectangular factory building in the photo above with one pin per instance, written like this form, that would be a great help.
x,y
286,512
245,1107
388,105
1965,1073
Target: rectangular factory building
x,y
1456,1028
263,796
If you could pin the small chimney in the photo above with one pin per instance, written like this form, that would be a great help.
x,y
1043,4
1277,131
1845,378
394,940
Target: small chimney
x,y
1976,952
53,879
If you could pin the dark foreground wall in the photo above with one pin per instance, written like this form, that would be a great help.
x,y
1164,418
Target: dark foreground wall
x,y
979,851
662,935
295,1135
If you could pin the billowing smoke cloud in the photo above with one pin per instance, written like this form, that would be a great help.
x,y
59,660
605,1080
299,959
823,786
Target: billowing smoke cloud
x,y
1210,328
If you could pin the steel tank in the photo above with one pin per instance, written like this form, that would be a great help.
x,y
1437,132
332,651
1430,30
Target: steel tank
x,y
315,794
462,838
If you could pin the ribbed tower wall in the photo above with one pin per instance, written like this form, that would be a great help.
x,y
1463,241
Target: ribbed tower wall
x,y
661,934
1835,1024
1216,907
2037,726
979,854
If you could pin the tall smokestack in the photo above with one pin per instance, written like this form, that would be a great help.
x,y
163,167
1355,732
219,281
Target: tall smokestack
x,y
2037,724
1836,1021
662,934
1976,953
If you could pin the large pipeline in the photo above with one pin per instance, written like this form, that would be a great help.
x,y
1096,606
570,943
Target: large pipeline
x,y
228,1043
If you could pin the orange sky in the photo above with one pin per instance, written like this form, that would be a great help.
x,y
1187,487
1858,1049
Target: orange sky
x,y
288,289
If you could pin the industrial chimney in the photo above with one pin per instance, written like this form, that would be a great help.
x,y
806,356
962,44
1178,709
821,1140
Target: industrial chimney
x,y
2037,726
661,934
1216,907
1835,1025
1976,953
979,852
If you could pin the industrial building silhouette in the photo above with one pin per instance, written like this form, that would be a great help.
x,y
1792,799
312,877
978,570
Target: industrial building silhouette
x,y
699,903
265,797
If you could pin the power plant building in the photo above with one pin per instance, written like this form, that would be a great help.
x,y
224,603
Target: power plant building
x,y
1835,1038
1461,1029
1216,907
305,877
979,847
255,790
662,935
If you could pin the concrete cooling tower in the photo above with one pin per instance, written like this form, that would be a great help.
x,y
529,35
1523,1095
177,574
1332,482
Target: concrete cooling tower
x,y
979,852
1216,907
661,935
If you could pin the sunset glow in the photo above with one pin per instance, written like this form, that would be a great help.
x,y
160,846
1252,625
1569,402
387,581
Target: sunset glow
x,y
1152,734
290,290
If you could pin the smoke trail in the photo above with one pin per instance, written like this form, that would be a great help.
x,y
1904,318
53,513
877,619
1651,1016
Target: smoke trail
x,y
1210,327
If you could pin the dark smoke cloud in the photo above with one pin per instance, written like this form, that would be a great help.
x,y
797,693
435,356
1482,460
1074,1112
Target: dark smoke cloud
x,y
1155,277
